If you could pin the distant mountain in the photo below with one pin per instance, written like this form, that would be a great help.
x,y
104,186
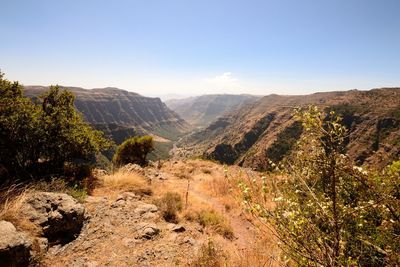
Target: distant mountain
x,y
266,129
202,110
121,113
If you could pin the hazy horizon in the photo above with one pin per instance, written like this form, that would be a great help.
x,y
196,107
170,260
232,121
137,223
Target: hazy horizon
x,y
205,47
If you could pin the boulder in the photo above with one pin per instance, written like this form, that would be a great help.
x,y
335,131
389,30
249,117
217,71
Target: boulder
x,y
148,230
59,215
14,246
145,208
178,228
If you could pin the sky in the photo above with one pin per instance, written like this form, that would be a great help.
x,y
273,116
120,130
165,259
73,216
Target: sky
x,y
163,47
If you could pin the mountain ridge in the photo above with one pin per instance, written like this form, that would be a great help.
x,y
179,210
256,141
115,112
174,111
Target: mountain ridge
x,y
121,114
202,110
266,129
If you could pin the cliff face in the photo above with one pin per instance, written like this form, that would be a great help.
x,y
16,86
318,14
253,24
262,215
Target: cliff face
x,y
266,130
202,110
121,113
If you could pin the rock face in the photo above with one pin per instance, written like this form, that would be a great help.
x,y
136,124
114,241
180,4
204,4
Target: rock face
x,y
59,215
14,246
267,131
121,113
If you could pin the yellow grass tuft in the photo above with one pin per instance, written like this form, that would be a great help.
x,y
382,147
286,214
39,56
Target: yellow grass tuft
x,y
133,182
12,201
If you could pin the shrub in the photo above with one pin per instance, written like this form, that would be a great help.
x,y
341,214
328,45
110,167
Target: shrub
x,y
169,206
329,212
210,255
213,220
134,150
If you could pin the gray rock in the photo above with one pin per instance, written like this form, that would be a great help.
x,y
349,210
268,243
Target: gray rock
x,y
130,196
148,230
14,246
144,208
189,240
118,203
59,215
43,244
178,228
91,199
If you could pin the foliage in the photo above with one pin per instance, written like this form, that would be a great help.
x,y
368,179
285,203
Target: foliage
x,y
328,212
33,136
67,135
134,150
169,205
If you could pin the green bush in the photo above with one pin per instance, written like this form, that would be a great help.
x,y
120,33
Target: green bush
x,y
39,138
134,150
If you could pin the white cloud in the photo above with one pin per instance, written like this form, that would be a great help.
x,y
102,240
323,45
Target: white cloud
x,y
225,80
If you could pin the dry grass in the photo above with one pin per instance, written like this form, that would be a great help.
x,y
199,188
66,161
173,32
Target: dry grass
x,y
122,181
264,253
210,219
220,186
12,201
210,255
170,204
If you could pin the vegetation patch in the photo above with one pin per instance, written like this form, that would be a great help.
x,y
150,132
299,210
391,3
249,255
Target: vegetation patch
x,y
284,142
226,153
170,204
210,255
213,220
134,150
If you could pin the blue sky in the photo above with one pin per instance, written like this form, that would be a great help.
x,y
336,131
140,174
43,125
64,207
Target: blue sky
x,y
198,47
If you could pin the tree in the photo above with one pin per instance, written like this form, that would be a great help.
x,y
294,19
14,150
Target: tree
x,y
327,211
134,150
19,128
51,133
68,137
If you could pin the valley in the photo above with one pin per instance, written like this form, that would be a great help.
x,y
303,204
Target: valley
x,y
209,192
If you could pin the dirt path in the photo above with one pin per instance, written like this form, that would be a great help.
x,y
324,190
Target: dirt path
x,y
242,228
244,231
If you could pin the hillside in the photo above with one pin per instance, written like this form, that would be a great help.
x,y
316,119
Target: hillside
x,y
202,110
266,130
121,114
122,221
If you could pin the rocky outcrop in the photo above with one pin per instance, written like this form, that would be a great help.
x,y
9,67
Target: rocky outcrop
x,y
14,246
59,215
120,113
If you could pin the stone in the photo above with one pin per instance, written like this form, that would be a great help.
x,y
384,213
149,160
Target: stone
x,y
144,208
43,244
130,196
148,230
118,203
15,247
189,240
178,228
91,199
59,215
